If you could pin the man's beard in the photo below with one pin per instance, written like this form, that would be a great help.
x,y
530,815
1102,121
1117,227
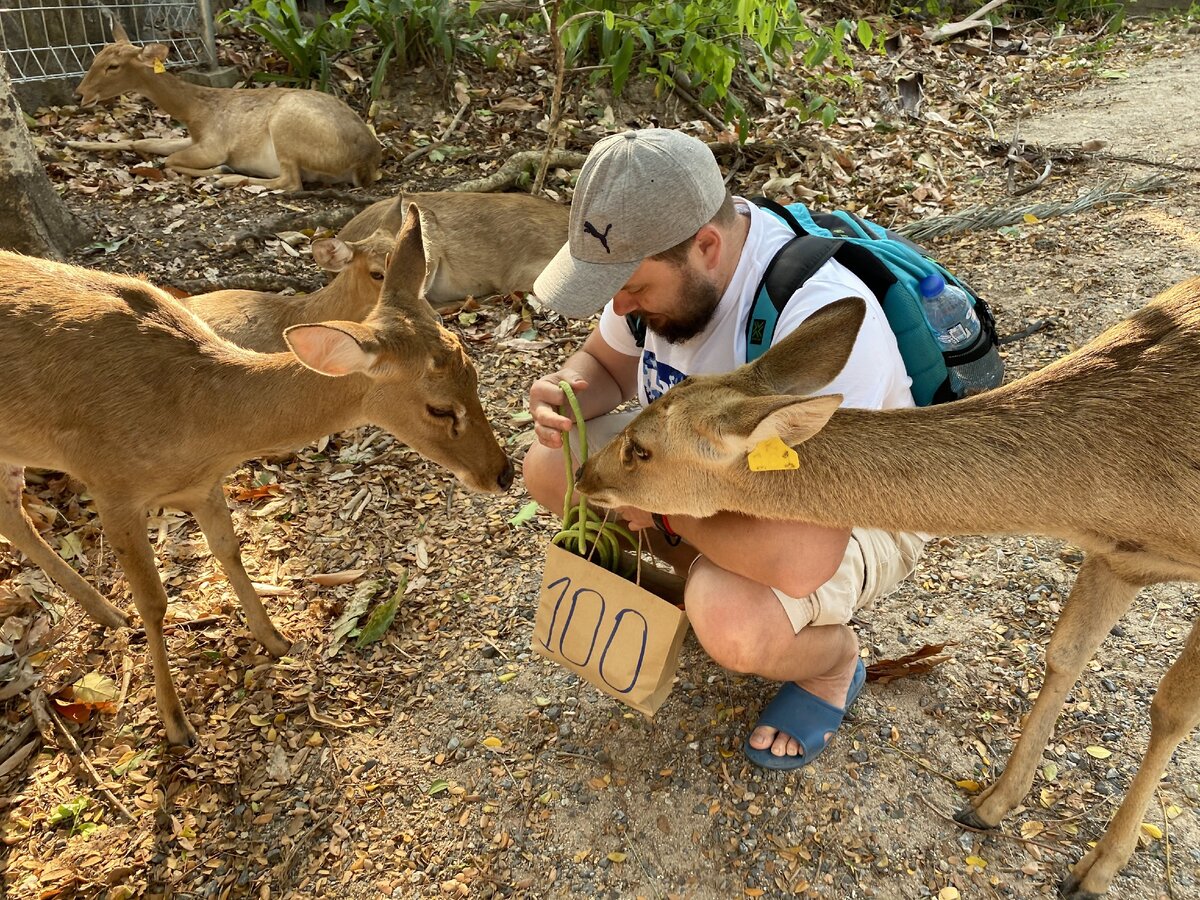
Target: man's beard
x,y
695,306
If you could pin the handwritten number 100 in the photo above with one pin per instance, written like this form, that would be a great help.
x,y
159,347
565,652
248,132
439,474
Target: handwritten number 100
x,y
632,615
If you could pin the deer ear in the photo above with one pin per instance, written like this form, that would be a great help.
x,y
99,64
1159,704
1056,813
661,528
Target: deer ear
x,y
154,52
794,422
119,35
332,254
812,355
402,288
333,348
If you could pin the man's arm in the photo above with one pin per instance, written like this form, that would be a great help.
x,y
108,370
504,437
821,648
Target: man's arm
x,y
795,557
603,378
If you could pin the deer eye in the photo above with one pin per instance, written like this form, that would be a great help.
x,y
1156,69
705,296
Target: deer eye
x,y
377,276
439,412
639,451
113,67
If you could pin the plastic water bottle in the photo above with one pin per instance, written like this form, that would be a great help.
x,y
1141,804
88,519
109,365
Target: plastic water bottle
x,y
973,363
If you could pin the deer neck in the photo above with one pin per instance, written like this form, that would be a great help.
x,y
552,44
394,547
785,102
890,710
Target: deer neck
x,y
173,95
336,300
961,471
271,401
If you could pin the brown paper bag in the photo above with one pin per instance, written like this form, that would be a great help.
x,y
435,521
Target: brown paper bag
x,y
618,636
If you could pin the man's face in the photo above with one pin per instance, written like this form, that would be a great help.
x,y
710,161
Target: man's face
x,y
675,302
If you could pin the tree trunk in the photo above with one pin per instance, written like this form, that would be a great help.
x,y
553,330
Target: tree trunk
x,y
33,218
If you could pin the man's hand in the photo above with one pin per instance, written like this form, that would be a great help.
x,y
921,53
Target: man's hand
x,y
635,518
545,398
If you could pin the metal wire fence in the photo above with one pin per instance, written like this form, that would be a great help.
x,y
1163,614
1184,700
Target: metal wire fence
x,y
43,40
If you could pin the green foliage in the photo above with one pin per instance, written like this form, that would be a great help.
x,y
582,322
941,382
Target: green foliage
x,y
700,44
308,52
408,32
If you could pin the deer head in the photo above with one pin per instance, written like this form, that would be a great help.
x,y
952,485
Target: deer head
x,y
686,452
118,67
425,389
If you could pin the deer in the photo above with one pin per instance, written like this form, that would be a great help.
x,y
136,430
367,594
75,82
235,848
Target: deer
x,y
1101,448
274,137
476,244
112,380
257,320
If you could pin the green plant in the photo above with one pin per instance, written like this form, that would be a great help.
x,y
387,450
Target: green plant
x,y
700,45
413,31
583,532
308,52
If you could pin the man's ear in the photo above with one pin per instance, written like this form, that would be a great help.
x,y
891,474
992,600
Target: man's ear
x,y
795,421
708,243
812,356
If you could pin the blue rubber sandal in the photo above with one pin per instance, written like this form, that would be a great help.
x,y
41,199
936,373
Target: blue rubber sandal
x,y
805,717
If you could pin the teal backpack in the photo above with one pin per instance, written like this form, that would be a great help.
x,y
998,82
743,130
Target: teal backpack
x,y
889,264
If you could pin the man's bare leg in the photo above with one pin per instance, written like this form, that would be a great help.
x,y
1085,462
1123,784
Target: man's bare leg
x,y
743,627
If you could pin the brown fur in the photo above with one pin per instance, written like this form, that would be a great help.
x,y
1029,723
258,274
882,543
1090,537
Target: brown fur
x,y
112,380
1101,448
257,320
476,245
279,136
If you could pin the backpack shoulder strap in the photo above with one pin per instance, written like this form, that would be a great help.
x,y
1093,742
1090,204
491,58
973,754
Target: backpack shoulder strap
x,y
779,210
792,266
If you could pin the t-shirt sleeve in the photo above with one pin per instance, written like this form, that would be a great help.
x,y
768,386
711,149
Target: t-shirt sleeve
x,y
875,369
615,331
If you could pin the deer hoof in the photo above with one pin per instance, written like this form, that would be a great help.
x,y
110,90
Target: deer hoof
x,y
277,645
968,817
1069,889
181,735
112,618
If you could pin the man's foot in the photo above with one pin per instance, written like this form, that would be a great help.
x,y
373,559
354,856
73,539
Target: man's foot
x,y
797,725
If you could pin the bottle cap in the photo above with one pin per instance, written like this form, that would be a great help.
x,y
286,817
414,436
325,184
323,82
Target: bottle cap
x,y
932,285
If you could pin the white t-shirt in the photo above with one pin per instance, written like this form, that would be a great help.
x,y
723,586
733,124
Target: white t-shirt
x,y
873,378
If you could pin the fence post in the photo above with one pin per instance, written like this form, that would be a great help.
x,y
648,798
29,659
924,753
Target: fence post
x,y
209,32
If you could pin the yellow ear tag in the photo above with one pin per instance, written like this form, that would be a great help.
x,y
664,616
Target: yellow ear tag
x,y
159,68
772,455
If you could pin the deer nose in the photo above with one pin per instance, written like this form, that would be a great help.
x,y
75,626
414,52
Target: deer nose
x,y
505,478
579,473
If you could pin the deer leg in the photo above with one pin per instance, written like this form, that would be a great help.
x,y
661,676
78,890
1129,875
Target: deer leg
x,y
289,178
197,160
126,529
149,146
1098,599
212,513
1173,714
17,527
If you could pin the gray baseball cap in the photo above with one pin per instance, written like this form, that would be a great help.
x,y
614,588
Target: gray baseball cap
x,y
639,193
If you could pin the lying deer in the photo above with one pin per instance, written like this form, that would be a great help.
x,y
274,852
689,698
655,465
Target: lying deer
x,y
1101,448
112,380
280,136
476,245
257,320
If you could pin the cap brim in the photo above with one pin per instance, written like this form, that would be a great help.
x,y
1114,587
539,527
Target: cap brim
x,y
576,288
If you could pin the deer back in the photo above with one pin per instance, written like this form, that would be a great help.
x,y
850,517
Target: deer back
x,y
256,320
477,244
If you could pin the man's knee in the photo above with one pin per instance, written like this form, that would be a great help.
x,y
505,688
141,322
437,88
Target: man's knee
x,y
543,473
733,641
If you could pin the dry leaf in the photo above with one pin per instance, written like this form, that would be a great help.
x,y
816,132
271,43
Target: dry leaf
x,y
916,663
333,579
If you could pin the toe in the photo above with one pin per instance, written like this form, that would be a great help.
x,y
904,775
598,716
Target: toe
x,y
762,738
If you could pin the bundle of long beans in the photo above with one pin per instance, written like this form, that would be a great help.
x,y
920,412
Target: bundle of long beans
x,y
583,531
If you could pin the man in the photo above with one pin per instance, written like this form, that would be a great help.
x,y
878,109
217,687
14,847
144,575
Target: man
x,y
653,227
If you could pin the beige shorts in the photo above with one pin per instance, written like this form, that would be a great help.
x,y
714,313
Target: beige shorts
x,y
874,565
